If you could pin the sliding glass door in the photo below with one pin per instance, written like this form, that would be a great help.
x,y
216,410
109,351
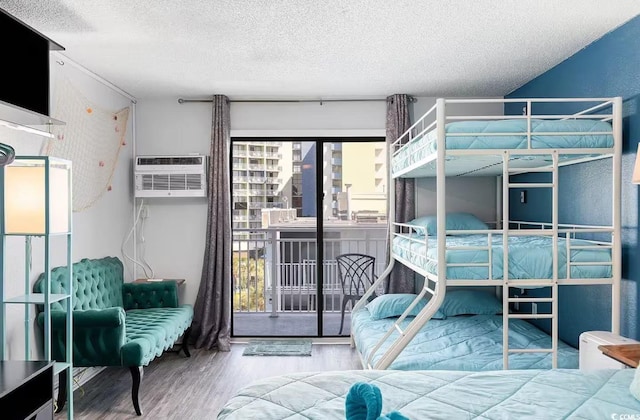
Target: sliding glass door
x,y
289,198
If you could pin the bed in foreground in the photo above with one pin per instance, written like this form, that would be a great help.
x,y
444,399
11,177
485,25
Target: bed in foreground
x,y
515,394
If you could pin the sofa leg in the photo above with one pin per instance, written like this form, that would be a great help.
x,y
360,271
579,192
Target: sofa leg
x,y
185,342
62,390
136,375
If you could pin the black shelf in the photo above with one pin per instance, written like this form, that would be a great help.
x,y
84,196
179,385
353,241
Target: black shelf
x,y
26,389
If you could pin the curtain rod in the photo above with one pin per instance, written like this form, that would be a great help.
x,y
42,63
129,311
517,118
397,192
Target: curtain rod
x,y
321,101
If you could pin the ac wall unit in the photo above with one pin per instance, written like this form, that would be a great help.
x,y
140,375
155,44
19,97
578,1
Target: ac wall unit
x,y
170,176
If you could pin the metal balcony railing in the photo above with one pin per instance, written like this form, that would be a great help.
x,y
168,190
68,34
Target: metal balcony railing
x,y
275,270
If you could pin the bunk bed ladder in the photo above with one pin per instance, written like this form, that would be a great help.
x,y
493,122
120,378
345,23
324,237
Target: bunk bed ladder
x,y
545,283
553,316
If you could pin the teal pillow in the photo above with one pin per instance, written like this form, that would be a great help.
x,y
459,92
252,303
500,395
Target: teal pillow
x,y
394,305
470,302
455,221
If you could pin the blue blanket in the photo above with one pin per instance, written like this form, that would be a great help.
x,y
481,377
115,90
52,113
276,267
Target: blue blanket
x,y
471,343
580,136
530,257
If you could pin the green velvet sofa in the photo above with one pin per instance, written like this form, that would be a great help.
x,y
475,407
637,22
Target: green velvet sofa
x,y
115,323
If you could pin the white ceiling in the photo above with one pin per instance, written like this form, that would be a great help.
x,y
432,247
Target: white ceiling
x,y
321,48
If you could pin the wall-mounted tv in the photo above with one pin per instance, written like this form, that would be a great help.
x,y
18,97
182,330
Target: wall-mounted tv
x,y
25,65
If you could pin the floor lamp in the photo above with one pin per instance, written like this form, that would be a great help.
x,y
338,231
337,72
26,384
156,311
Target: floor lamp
x,y
35,199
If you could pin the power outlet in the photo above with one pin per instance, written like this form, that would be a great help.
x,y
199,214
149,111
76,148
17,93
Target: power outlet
x,y
144,212
534,308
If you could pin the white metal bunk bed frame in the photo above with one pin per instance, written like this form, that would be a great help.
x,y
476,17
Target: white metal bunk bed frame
x,y
554,229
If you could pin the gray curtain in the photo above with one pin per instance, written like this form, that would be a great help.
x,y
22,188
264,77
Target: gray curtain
x,y
211,326
402,279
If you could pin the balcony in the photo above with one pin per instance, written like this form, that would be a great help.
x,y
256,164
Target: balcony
x,y
275,285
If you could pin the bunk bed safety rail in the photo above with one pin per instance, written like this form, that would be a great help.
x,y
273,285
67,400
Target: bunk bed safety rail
x,y
469,250
397,145
418,142
590,111
564,227
410,134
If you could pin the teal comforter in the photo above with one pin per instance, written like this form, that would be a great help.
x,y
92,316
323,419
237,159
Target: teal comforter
x,y
471,343
530,257
436,395
508,134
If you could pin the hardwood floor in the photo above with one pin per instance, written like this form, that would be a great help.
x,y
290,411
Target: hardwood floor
x,y
176,387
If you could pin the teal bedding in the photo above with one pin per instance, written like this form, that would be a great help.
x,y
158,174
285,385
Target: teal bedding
x,y
530,257
480,137
436,395
472,343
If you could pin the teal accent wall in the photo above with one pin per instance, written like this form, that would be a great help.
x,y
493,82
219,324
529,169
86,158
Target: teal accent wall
x,y
608,67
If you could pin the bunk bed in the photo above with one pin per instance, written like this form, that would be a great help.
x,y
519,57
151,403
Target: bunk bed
x,y
510,394
506,254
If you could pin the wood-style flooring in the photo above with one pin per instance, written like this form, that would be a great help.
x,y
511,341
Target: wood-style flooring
x,y
176,387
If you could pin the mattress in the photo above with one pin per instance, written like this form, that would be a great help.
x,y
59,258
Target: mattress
x,y
470,343
532,394
530,257
510,134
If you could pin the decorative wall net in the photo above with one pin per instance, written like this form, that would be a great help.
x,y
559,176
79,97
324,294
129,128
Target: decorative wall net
x,y
91,139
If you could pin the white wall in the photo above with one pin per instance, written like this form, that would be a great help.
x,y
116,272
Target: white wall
x,y
174,232
97,231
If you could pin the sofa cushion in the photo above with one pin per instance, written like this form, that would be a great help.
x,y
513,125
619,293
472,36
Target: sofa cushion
x,y
151,331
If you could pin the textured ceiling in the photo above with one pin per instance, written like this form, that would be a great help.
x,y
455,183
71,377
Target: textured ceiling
x,y
321,49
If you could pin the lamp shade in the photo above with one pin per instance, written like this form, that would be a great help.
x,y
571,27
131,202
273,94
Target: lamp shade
x,y
26,184
636,168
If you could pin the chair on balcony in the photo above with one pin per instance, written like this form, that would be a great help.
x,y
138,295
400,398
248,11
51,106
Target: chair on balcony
x,y
356,274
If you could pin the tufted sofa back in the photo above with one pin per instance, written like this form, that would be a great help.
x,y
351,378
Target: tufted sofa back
x,y
97,283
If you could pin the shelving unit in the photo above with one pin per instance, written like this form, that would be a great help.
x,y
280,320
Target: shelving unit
x,y
36,202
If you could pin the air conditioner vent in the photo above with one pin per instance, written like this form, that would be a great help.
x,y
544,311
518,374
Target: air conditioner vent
x,y
170,176
170,160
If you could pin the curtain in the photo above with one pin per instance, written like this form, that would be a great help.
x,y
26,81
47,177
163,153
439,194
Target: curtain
x,y
402,279
212,311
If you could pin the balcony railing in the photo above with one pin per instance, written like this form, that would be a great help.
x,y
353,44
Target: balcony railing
x,y
276,270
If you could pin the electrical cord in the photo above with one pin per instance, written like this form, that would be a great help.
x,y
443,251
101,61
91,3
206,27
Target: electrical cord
x,y
144,266
142,252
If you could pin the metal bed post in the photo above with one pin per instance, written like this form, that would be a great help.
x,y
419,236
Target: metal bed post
x,y
441,203
505,260
616,256
554,273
